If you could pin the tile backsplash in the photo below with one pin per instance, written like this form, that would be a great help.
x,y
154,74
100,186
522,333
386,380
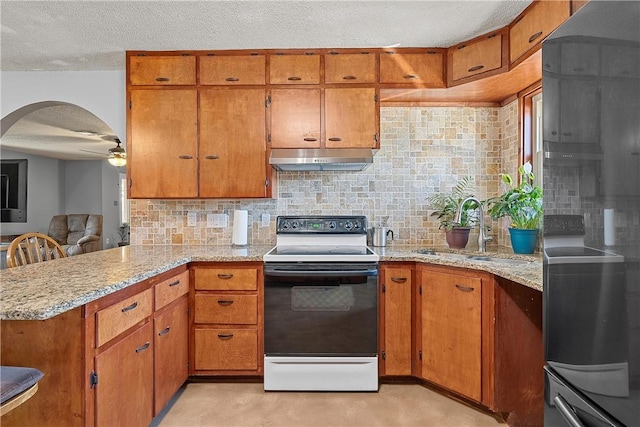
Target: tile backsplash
x,y
422,150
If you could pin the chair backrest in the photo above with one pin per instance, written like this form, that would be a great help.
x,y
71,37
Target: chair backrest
x,y
30,248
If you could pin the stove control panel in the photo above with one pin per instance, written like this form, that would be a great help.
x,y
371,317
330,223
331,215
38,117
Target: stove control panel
x,y
321,225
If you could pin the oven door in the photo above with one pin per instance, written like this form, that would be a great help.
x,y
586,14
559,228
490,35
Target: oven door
x,y
321,309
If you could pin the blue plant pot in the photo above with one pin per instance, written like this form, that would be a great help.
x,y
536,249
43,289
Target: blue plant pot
x,y
523,241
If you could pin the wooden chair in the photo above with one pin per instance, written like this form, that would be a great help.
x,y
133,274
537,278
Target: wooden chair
x,y
19,384
30,248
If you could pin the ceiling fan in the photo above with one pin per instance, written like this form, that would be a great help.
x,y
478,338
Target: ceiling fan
x,y
117,156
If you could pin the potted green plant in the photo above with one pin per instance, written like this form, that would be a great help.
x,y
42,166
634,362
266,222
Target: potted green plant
x,y
444,207
522,203
123,232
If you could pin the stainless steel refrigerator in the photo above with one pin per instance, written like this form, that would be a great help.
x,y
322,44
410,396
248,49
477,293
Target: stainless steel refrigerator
x,y
591,230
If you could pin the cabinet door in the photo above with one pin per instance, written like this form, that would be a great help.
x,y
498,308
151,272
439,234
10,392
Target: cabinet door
x,y
226,349
162,70
351,116
232,70
161,153
579,111
620,61
232,151
171,332
396,345
535,25
350,68
413,68
295,118
294,69
579,59
469,59
124,393
621,137
452,332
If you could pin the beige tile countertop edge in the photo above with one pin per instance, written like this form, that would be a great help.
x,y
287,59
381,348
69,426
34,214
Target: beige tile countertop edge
x,y
42,291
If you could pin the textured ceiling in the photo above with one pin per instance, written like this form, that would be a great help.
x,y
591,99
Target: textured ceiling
x,y
94,35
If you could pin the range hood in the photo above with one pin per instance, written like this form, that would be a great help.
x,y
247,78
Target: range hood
x,y
571,153
321,159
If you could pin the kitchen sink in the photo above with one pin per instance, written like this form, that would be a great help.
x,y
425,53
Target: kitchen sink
x,y
465,257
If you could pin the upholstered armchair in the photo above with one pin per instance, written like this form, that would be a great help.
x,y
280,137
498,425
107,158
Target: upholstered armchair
x,y
77,233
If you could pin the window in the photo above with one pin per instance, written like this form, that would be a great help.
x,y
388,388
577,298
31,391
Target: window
x,y
531,137
124,202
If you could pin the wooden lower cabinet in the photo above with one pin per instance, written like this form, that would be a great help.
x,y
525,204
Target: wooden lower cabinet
x,y
396,286
171,342
455,308
227,320
124,393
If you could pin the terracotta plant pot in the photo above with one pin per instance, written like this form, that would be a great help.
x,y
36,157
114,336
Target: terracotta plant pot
x,y
458,237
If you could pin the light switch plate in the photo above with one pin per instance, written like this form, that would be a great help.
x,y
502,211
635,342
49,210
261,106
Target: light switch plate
x,y
217,220
266,218
192,218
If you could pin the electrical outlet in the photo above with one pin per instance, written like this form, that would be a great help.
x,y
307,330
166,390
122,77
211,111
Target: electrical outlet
x,y
266,219
191,219
217,220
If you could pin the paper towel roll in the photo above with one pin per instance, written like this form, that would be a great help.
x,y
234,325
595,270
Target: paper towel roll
x,y
609,227
240,224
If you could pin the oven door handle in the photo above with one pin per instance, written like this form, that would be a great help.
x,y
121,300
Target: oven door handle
x,y
276,272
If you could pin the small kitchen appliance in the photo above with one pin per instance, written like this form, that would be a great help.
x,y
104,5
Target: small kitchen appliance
x,y
321,306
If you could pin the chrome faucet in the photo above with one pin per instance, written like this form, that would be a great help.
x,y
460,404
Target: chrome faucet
x,y
482,236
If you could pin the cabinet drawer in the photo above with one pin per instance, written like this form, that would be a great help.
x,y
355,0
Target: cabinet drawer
x,y
114,320
170,289
226,349
226,309
350,68
232,70
162,70
536,24
469,59
294,69
412,68
226,279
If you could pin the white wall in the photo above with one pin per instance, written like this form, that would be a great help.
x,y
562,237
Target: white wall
x,y
99,92
110,204
45,192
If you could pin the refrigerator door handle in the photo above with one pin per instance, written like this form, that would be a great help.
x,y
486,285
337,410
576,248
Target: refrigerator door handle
x,y
565,410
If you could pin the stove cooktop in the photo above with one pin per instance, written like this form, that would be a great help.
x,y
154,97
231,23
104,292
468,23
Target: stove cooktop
x,y
579,255
320,253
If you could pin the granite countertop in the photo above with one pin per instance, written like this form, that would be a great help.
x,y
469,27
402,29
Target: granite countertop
x,y
42,291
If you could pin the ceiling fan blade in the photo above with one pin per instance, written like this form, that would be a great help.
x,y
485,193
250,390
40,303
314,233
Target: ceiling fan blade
x,y
94,152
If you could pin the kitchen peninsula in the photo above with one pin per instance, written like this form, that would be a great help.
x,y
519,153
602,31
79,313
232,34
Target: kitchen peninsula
x,y
43,304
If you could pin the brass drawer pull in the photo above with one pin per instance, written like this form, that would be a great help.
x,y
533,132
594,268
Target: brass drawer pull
x,y
336,139
410,76
165,331
225,276
465,288
476,68
310,139
185,157
225,336
294,78
130,307
399,279
232,79
162,79
143,347
213,157
349,78
535,36
225,302
176,283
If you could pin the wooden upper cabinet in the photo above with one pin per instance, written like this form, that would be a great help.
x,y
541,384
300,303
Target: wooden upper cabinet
x,y
424,69
351,117
295,118
476,56
162,70
232,143
350,67
161,149
534,25
294,69
620,61
232,70
580,58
